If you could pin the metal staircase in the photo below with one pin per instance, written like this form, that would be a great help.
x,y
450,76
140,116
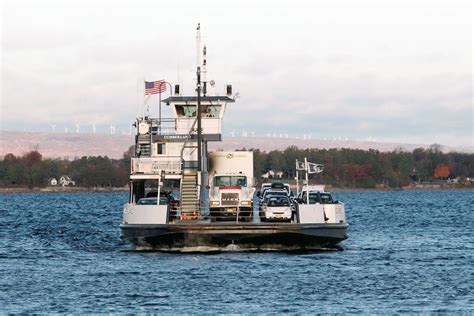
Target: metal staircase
x,y
189,194
144,145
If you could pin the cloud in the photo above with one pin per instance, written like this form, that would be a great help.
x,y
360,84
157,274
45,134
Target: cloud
x,y
324,68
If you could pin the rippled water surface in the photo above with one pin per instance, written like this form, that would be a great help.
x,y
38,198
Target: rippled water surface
x,y
406,252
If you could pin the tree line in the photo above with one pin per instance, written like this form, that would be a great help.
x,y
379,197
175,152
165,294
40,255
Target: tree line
x,y
351,168
32,170
370,168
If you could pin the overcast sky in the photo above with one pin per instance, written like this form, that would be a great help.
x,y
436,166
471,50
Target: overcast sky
x,y
394,71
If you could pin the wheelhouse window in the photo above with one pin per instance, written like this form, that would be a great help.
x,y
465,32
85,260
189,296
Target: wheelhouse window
x,y
186,110
208,111
226,181
212,111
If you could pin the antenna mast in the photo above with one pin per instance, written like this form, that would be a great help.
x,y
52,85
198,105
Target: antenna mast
x,y
204,71
198,90
198,46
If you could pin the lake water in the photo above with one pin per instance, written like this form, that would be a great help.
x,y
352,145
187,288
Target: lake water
x,y
406,252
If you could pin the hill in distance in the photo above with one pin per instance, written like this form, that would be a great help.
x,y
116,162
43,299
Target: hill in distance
x,y
73,145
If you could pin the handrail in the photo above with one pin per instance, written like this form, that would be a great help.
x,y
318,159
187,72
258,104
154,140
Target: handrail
x,y
166,163
187,139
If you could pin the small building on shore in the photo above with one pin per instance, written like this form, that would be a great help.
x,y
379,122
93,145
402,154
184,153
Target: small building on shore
x,y
66,181
52,182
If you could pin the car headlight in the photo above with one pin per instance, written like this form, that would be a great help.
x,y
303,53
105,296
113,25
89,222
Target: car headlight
x,y
247,203
215,203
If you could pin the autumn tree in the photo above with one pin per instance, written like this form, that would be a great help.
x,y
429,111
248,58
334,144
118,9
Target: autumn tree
x,y
441,171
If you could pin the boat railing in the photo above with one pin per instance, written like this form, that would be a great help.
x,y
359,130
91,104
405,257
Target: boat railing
x,y
177,216
155,165
163,126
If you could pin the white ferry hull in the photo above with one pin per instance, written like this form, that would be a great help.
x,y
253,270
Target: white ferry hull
x,y
243,236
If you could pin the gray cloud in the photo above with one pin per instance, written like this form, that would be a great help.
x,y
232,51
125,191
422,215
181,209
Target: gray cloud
x,y
328,69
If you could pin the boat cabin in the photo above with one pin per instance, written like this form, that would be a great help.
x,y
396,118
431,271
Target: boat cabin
x,y
166,148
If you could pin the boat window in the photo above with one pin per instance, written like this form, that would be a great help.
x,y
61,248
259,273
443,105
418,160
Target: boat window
x,y
223,181
161,148
211,111
186,110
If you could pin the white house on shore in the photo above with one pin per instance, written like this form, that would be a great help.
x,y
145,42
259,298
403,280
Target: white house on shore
x,y
66,181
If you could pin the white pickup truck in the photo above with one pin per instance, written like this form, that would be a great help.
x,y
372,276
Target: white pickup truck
x,y
316,205
231,185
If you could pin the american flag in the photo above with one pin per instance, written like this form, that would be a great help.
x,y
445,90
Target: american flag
x,y
154,87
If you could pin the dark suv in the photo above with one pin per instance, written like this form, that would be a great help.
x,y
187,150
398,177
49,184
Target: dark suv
x,y
172,202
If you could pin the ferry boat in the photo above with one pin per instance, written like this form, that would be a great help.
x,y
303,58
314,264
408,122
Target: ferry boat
x,y
217,207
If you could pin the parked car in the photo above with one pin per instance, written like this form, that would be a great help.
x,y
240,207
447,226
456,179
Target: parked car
x,y
321,197
172,201
281,186
272,192
277,208
265,186
273,186
152,201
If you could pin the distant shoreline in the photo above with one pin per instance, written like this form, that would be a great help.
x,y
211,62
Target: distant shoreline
x,y
125,189
406,189
62,189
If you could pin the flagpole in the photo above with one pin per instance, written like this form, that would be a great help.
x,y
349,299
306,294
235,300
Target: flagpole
x,y
297,183
307,181
138,97
163,82
159,107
